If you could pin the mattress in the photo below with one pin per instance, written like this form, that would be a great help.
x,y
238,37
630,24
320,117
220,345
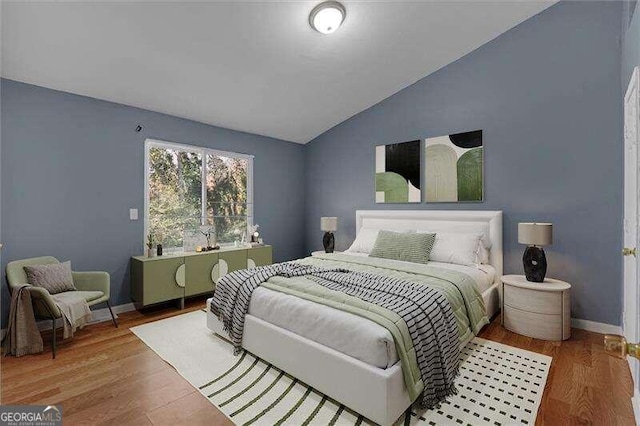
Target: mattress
x,y
348,333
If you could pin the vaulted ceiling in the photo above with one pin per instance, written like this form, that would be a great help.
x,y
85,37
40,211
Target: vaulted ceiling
x,y
251,66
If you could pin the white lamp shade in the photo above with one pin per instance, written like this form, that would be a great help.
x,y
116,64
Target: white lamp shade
x,y
535,234
329,224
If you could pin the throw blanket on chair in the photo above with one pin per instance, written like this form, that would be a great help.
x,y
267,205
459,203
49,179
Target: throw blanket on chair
x,y
23,336
426,312
75,311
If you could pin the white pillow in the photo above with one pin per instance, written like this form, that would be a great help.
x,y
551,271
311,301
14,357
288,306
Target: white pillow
x,y
366,239
453,247
483,252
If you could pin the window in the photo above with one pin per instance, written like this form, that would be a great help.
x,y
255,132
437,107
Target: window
x,y
191,191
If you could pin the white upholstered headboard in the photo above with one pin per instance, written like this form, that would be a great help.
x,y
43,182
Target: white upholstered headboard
x,y
485,221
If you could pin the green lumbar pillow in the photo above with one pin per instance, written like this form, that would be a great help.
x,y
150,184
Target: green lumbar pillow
x,y
414,248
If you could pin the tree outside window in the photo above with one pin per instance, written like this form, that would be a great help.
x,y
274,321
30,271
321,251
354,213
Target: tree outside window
x,y
186,193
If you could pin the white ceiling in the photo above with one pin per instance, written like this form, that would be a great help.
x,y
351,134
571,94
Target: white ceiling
x,y
250,66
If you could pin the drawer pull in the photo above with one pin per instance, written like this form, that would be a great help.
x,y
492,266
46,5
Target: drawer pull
x,y
180,276
219,270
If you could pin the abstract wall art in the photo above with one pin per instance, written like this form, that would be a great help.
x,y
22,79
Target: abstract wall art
x,y
398,173
453,168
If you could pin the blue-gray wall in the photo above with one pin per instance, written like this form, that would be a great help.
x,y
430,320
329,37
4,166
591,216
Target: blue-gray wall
x,y
547,95
630,40
72,167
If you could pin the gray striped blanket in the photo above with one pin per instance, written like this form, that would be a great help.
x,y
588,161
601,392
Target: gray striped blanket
x,y
427,313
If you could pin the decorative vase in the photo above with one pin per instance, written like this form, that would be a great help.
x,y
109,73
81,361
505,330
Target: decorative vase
x,y
159,249
150,252
535,264
328,241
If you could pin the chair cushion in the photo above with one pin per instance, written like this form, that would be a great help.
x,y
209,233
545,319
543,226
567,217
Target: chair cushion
x,y
15,269
90,295
55,278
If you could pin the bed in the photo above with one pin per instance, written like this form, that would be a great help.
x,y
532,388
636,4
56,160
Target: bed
x,y
348,357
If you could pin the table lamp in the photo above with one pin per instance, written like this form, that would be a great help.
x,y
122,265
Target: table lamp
x,y
535,235
329,225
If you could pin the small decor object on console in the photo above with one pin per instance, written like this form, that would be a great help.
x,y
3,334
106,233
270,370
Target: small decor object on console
x,y
150,252
159,249
329,225
254,235
238,236
208,232
534,259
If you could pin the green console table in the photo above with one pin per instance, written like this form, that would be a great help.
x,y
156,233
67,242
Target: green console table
x,y
177,276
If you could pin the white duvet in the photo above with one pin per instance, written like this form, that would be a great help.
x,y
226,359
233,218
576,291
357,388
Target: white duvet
x,y
345,332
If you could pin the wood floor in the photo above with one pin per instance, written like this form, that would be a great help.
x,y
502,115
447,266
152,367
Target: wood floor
x,y
106,375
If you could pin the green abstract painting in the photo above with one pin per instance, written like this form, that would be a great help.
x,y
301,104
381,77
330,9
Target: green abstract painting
x,y
454,168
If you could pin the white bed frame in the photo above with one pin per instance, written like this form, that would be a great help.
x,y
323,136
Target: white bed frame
x,y
378,394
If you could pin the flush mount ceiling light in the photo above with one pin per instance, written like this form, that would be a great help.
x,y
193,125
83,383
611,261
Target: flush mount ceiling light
x,y
327,17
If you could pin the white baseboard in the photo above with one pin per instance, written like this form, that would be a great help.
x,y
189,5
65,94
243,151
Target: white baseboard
x,y
101,315
597,327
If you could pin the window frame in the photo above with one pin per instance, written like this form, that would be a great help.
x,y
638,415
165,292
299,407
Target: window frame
x,y
203,151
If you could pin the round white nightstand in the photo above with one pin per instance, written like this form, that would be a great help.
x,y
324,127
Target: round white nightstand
x,y
540,310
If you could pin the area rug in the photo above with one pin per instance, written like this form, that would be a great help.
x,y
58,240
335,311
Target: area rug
x,y
497,385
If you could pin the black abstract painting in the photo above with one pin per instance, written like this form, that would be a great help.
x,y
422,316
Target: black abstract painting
x,y
398,173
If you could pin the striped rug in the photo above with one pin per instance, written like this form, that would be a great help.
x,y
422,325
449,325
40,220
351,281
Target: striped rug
x,y
497,385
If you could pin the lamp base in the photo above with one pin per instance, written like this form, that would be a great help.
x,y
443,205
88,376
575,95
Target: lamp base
x,y
535,264
328,241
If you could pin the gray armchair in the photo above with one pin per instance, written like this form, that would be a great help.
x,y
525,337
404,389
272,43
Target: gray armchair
x,y
93,286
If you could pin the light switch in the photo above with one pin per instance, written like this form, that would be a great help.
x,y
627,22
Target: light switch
x,y
133,214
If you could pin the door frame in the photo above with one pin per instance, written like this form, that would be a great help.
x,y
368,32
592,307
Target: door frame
x,y
631,287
